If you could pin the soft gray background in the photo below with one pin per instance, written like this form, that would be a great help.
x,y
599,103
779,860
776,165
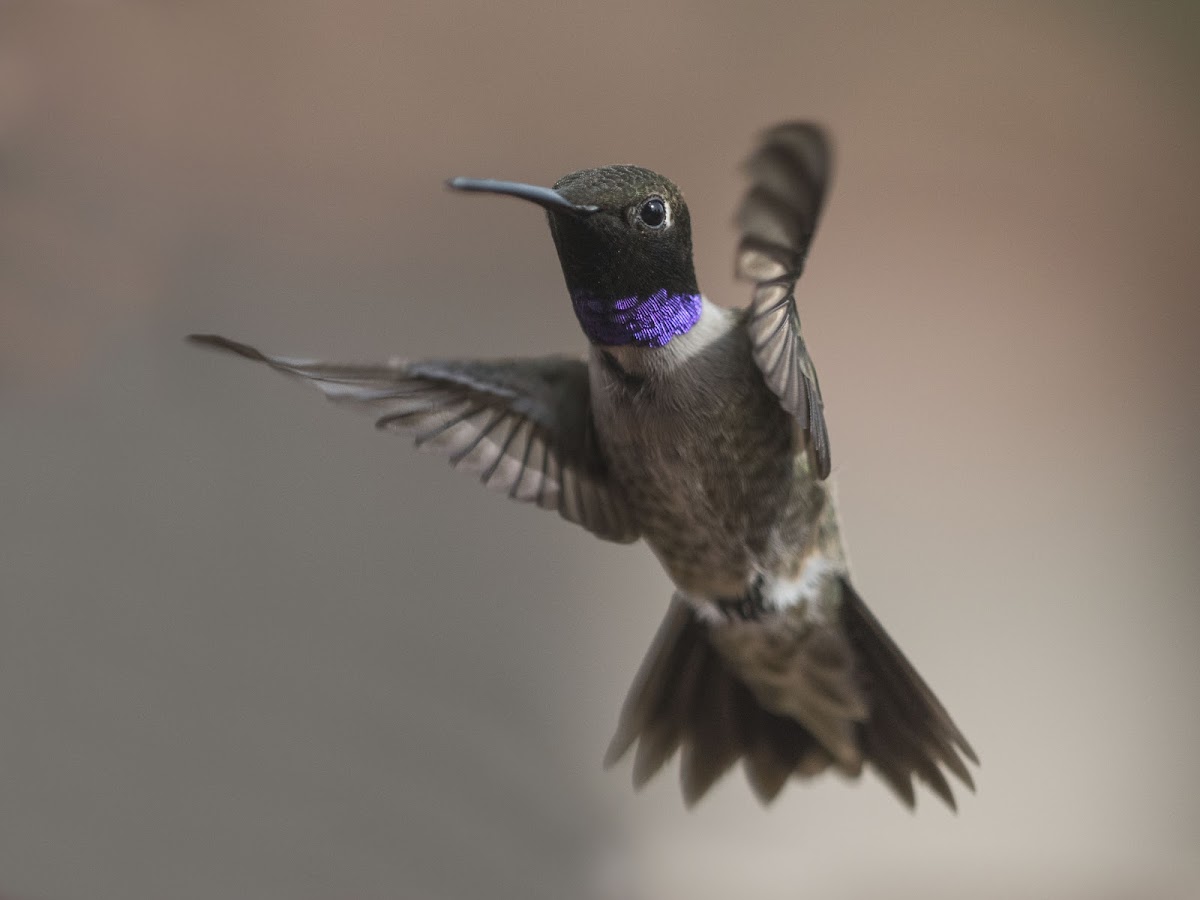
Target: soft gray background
x,y
250,648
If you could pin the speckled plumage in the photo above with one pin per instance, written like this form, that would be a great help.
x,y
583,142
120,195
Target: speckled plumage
x,y
708,441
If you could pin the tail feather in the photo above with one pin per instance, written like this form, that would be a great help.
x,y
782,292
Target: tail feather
x,y
685,697
909,731
714,744
654,684
775,748
672,717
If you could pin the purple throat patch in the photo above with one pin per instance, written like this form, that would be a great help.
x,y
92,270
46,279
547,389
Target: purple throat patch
x,y
644,321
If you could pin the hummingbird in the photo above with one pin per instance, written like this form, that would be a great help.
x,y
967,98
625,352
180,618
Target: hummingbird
x,y
699,429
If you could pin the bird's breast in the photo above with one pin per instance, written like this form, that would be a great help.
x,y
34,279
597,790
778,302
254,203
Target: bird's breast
x,y
708,465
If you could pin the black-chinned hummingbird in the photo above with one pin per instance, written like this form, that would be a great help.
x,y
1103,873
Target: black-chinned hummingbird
x,y
701,430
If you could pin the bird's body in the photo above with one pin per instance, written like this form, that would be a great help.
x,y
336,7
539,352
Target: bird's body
x,y
715,475
701,430
708,462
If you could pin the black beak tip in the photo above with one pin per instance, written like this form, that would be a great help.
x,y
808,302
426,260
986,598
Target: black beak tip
x,y
547,198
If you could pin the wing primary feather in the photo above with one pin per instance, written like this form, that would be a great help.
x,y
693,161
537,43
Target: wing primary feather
x,y
778,171
398,418
540,496
232,346
469,409
495,419
486,475
789,375
770,337
524,465
767,310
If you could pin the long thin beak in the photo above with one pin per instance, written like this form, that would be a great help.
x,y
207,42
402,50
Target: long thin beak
x,y
542,196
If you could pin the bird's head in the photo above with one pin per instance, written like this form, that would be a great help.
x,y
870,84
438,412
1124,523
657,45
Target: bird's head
x,y
624,239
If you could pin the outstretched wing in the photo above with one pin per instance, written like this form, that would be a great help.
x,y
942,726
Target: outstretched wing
x,y
789,173
524,425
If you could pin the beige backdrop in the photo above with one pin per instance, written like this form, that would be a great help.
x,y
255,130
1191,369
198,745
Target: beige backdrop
x,y
250,648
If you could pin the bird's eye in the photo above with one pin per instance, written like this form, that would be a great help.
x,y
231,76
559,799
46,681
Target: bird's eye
x,y
653,213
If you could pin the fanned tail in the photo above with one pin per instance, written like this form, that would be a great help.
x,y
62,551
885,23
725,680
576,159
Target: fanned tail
x,y
685,697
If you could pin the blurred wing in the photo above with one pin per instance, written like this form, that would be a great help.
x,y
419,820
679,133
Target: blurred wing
x,y
789,172
524,425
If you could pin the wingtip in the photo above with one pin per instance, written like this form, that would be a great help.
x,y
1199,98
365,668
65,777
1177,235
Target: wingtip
x,y
218,342
792,125
205,339
816,132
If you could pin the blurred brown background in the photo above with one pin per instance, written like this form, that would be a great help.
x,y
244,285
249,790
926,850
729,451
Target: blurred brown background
x,y
251,648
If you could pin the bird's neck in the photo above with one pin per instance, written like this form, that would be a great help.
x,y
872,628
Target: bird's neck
x,y
651,320
710,322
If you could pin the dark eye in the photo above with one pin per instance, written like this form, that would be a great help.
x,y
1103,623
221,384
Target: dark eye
x,y
653,213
